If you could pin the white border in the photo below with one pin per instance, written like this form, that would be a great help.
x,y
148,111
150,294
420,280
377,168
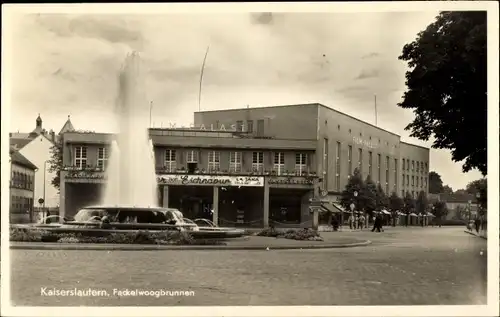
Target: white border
x,y
8,15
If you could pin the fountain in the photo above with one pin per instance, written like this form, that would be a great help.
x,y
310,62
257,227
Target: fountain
x,y
131,177
130,201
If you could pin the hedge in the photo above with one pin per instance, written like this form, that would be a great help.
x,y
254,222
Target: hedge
x,y
301,234
139,237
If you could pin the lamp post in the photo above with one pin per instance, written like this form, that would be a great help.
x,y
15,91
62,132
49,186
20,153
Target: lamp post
x,y
44,173
469,209
353,207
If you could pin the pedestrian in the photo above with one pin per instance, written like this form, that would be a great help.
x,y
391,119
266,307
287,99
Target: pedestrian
x,y
477,223
377,223
350,220
361,222
356,222
335,223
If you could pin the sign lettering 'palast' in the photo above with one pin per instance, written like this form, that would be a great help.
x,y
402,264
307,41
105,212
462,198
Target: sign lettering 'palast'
x,y
368,144
211,180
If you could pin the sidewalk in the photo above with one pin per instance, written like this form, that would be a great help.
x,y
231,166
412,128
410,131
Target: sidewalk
x,y
482,234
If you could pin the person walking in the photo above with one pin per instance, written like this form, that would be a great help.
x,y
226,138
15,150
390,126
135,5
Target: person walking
x,y
361,222
350,220
477,223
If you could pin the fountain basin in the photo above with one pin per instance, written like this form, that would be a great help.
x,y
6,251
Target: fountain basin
x,y
98,221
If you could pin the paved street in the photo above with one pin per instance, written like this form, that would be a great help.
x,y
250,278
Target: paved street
x,y
403,266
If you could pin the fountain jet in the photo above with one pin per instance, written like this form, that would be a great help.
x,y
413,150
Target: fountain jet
x,y
131,177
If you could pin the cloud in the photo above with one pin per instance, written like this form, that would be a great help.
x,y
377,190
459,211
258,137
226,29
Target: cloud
x,y
368,73
370,55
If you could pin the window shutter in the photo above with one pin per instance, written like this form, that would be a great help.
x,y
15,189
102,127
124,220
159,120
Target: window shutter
x,y
181,155
243,157
199,156
270,158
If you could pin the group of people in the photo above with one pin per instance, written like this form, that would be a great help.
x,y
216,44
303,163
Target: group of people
x,y
359,222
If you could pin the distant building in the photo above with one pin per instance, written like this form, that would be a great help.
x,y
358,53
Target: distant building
x,y
255,166
458,205
22,185
36,147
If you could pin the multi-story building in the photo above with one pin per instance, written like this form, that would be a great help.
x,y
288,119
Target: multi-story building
x,y
256,166
22,185
36,147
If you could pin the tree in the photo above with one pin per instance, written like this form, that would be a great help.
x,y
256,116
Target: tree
x,y
447,86
355,184
369,195
395,204
408,206
461,213
421,204
447,190
56,163
382,199
435,183
475,186
439,210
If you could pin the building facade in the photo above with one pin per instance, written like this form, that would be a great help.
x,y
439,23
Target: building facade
x,y
36,147
22,188
252,167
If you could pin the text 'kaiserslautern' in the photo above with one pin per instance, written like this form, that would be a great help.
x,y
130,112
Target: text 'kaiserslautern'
x,y
125,292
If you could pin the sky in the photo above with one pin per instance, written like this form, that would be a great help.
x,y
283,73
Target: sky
x,y
68,65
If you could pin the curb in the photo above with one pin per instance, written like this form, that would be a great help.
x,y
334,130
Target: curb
x,y
103,247
476,235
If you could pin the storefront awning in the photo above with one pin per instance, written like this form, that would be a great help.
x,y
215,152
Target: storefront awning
x,y
330,207
339,207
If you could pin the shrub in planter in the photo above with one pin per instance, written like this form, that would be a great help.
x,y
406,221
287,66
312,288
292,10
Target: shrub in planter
x,y
24,235
301,234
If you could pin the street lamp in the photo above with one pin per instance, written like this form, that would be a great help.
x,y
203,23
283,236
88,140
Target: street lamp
x,y
44,173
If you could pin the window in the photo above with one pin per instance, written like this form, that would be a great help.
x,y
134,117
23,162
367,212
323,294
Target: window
x,y
250,126
426,168
425,181
379,162
412,180
337,163
102,157
422,167
235,161
260,127
170,160
403,180
395,174
192,156
416,181
349,159
418,167
300,163
413,166
360,160
239,126
81,156
421,181
213,161
387,163
404,164
279,163
407,180
258,162
407,164
370,157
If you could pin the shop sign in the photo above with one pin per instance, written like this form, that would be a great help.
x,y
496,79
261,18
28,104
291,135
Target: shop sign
x,y
290,181
211,180
85,174
368,144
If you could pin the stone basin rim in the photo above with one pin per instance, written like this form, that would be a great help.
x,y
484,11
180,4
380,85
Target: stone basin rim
x,y
149,247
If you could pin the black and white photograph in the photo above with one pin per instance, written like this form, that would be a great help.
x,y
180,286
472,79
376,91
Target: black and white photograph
x,y
250,159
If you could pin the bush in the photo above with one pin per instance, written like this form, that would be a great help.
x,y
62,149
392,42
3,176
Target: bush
x,y
139,237
453,222
301,234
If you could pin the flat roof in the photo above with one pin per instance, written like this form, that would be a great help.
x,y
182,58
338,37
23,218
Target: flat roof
x,y
419,146
312,104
